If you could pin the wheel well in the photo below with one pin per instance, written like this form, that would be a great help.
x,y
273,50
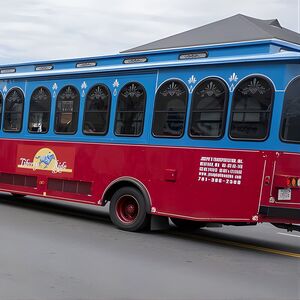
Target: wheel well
x,y
127,183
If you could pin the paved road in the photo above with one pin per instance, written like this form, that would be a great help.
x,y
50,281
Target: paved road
x,y
52,250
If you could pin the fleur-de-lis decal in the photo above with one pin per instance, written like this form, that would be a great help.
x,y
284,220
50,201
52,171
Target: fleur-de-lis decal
x,y
83,85
54,88
116,83
233,78
192,80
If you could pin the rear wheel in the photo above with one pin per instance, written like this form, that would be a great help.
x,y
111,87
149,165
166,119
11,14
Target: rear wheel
x,y
128,210
187,225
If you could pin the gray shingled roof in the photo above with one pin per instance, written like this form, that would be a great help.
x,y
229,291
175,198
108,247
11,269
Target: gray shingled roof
x,y
233,29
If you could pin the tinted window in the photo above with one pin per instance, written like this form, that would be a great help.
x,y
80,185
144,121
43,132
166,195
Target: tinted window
x,y
170,110
1,100
209,107
67,106
39,113
13,111
290,128
131,110
96,115
251,109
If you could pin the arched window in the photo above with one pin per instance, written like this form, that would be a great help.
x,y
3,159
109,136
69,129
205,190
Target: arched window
x,y
96,114
13,111
170,110
1,101
290,124
251,109
67,107
39,113
209,107
131,110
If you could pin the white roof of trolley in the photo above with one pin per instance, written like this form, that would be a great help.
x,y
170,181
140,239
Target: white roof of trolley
x,y
238,28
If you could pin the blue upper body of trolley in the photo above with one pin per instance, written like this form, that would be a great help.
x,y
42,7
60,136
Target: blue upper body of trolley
x,y
274,59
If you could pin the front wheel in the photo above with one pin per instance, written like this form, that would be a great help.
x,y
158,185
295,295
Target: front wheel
x,y
127,210
187,225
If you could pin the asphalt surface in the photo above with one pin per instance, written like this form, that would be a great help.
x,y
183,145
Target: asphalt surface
x,y
57,250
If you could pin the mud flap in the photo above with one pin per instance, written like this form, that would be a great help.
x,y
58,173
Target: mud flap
x,y
159,223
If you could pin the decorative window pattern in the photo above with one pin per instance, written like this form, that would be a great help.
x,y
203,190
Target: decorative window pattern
x,y
96,114
13,111
170,110
1,103
209,107
67,107
39,113
251,109
131,110
290,124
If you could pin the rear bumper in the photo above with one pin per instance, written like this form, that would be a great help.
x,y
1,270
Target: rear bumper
x,y
280,212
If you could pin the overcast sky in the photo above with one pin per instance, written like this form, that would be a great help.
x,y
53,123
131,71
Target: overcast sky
x,y
50,29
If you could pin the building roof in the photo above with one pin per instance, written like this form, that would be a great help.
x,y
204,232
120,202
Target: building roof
x,y
238,28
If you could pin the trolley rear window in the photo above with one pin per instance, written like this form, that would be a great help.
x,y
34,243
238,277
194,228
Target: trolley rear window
x,y
290,124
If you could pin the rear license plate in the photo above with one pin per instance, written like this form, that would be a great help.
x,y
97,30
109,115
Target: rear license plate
x,y
284,194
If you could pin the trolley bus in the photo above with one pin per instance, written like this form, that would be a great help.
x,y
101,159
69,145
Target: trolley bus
x,y
200,134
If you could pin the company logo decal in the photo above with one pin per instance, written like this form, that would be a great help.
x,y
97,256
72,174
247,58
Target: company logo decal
x,y
44,160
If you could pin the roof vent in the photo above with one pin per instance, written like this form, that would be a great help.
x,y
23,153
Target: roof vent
x,y
275,23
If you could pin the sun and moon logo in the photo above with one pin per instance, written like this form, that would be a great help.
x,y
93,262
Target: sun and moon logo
x,y
44,160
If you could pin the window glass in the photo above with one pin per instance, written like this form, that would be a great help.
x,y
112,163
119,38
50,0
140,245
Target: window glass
x,y
209,107
39,113
131,110
96,115
13,111
290,126
251,109
170,110
67,107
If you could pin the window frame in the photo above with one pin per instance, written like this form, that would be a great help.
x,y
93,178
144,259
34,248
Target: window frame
x,y
1,108
176,80
78,116
108,110
22,113
224,114
281,119
268,129
49,112
116,112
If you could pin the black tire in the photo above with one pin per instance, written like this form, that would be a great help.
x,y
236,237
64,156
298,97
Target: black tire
x,y
187,225
18,196
127,210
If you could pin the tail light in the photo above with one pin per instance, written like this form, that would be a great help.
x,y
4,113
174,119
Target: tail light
x,y
293,182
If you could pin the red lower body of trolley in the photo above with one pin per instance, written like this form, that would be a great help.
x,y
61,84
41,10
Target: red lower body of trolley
x,y
228,186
